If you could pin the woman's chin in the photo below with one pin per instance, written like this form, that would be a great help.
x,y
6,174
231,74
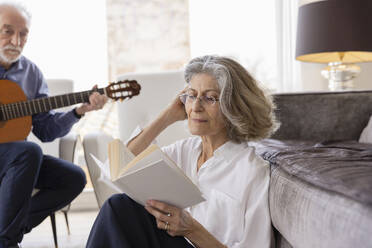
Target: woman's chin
x,y
197,131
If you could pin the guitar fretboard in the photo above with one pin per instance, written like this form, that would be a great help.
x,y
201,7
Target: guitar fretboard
x,y
40,105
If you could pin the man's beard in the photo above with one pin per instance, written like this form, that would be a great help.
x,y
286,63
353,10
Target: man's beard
x,y
5,58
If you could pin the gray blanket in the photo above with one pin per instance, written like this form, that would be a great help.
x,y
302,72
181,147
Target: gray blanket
x,y
344,167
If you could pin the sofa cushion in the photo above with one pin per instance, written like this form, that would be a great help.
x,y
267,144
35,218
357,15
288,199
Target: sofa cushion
x,y
343,167
320,193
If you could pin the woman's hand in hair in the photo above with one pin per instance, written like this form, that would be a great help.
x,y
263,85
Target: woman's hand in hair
x,y
175,111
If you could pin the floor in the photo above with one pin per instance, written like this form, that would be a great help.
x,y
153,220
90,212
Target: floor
x,y
80,225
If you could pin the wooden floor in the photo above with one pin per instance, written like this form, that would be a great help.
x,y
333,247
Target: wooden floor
x,y
80,225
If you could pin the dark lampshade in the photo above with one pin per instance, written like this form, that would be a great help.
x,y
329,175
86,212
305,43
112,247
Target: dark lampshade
x,y
335,31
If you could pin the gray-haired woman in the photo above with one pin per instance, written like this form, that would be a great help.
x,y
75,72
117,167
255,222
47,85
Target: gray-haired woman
x,y
225,109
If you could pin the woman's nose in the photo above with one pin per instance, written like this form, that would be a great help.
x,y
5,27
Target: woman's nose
x,y
197,104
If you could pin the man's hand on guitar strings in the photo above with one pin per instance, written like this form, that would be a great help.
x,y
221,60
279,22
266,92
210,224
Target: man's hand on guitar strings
x,y
96,101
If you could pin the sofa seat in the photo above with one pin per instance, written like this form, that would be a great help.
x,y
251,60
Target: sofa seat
x,y
320,193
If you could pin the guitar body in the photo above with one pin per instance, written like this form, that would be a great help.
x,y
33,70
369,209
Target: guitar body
x,y
15,129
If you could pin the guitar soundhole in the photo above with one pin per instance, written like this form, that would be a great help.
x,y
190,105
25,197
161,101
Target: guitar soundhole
x,y
2,123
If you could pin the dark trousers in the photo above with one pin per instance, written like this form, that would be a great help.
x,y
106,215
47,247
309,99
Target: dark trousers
x,y
22,168
124,223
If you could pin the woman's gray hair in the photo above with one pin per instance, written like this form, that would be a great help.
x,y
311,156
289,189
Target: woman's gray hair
x,y
248,110
18,6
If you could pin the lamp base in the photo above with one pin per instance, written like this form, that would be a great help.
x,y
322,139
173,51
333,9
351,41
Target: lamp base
x,y
340,86
340,75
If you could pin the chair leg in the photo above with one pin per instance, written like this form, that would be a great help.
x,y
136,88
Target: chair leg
x,y
66,218
53,221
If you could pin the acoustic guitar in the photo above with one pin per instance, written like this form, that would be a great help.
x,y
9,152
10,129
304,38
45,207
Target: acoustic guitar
x,y
16,110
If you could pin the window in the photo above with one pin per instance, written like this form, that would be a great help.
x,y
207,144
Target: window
x,y
244,30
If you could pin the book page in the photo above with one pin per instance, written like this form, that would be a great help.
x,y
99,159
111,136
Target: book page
x,y
110,187
119,157
143,157
114,156
104,167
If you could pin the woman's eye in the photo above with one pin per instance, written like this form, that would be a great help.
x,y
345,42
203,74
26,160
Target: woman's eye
x,y
210,99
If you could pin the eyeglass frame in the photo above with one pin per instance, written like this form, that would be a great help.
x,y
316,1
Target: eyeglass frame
x,y
204,100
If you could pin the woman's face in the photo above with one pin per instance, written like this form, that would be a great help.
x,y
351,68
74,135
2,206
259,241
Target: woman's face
x,y
204,117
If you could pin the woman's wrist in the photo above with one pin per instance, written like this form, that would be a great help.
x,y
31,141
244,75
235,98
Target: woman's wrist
x,y
195,231
200,237
166,119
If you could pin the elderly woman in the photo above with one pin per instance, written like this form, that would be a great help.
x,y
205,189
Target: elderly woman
x,y
224,108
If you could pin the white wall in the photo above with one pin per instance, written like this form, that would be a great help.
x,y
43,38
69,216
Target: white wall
x,y
68,39
364,80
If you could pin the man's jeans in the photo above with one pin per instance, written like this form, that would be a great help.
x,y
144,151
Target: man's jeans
x,y
23,167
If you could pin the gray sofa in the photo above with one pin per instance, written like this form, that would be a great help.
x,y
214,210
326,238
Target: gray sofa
x,y
321,183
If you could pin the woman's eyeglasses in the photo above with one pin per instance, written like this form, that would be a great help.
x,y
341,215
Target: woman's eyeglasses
x,y
204,100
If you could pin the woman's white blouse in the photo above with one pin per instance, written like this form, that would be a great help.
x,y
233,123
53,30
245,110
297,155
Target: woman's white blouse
x,y
235,183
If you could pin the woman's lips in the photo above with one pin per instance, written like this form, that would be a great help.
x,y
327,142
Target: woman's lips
x,y
198,120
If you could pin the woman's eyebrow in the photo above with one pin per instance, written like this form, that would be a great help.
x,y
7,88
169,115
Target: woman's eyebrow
x,y
205,91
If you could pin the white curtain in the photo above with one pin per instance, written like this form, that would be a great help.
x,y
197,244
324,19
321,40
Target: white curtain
x,y
289,70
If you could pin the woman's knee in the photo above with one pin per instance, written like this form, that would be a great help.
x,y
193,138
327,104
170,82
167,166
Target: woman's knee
x,y
116,199
119,201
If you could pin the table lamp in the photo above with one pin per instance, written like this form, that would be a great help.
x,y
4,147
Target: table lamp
x,y
337,32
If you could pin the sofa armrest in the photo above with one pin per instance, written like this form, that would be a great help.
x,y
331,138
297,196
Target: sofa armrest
x,y
97,144
67,145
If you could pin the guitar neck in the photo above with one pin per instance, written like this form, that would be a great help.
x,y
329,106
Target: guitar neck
x,y
45,104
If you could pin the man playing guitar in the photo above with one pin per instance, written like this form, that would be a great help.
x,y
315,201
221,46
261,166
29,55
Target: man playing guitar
x,y
22,164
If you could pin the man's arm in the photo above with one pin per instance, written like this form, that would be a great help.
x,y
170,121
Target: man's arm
x,y
52,125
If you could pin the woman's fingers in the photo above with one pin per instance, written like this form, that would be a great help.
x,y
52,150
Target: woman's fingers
x,y
163,225
167,216
160,210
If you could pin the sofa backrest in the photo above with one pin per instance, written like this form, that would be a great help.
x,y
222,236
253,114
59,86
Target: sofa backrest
x,y
321,116
157,91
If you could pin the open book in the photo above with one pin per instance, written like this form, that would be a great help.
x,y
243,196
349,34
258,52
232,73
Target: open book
x,y
151,175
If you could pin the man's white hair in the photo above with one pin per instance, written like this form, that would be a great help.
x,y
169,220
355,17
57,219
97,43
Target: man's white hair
x,y
18,6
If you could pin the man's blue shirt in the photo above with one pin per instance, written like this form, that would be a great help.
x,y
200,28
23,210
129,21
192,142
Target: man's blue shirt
x,y
45,126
